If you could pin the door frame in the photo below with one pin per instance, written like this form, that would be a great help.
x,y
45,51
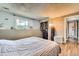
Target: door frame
x,y
75,23
70,18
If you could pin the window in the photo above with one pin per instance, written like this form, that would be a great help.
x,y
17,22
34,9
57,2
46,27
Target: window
x,y
22,23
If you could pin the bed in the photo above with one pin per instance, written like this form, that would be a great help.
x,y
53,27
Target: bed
x,y
32,46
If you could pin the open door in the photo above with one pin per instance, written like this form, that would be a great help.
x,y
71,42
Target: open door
x,y
72,31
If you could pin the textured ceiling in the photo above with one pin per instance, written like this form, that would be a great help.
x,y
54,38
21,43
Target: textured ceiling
x,y
41,10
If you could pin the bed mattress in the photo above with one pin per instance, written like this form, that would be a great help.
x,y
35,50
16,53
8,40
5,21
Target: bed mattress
x,y
32,46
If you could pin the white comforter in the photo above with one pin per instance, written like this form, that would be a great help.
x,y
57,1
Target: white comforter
x,y
32,46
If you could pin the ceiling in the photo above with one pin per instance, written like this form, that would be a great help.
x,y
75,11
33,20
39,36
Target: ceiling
x,y
60,9
40,11
28,10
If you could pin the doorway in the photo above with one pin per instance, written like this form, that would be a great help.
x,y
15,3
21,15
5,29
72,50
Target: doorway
x,y
72,31
44,29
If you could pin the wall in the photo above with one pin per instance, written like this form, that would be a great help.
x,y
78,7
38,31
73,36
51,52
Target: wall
x,y
58,24
18,34
34,23
7,23
11,22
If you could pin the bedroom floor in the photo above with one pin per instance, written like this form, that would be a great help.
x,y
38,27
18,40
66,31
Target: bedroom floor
x,y
69,49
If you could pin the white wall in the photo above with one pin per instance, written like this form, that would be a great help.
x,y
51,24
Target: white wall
x,y
34,23
6,23
11,22
18,34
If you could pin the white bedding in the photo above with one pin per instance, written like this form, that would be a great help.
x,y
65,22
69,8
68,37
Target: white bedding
x,y
32,46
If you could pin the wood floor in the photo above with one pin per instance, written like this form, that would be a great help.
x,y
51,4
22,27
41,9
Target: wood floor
x,y
69,49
